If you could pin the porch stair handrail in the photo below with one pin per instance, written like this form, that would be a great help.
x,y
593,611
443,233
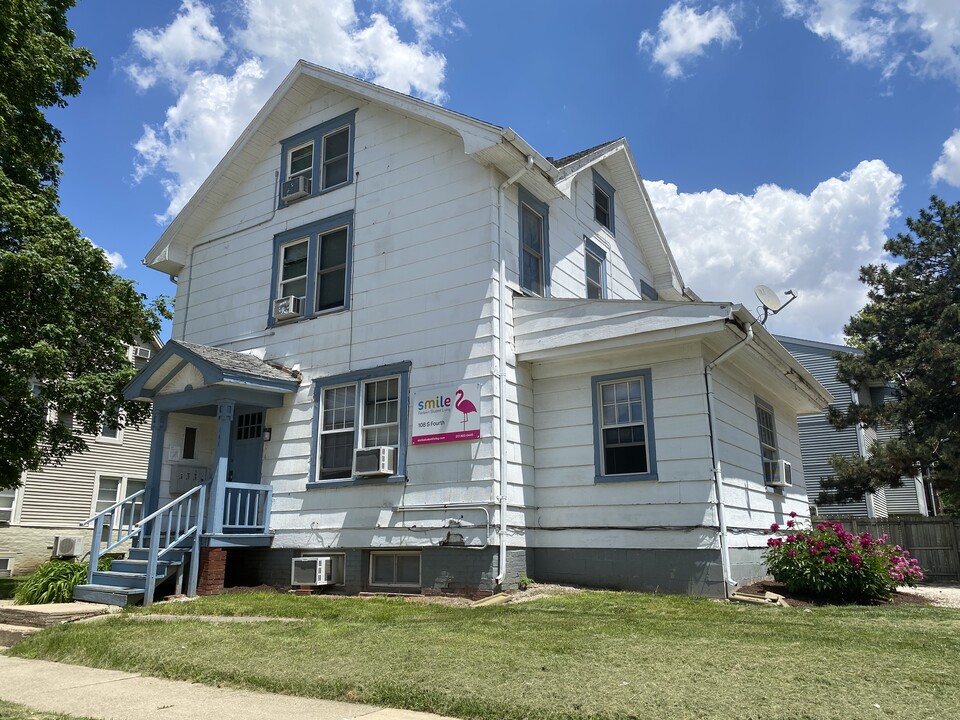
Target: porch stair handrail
x,y
119,532
172,522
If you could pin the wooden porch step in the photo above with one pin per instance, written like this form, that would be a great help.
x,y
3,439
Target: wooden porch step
x,y
140,566
108,595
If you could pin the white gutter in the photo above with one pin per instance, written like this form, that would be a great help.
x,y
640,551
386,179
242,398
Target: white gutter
x,y
728,581
502,370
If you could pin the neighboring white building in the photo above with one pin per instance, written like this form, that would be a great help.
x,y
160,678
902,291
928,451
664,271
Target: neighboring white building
x,y
819,440
52,502
413,344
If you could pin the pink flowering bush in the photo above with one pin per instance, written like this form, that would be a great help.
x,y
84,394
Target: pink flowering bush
x,y
828,562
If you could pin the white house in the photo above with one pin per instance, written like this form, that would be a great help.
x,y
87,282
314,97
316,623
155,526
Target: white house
x,y
407,341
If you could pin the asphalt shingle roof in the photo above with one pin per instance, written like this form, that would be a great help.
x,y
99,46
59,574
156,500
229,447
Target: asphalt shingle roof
x,y
560,162
234,362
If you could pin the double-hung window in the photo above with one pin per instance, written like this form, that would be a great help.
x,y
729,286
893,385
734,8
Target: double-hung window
x,y
312,264
623,426
7,499
112,489
767,430
363,409
595,266
603,210
534,244
323,155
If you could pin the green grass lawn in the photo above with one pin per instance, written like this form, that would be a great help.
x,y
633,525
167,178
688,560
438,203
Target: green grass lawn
x,y
12,711
593,655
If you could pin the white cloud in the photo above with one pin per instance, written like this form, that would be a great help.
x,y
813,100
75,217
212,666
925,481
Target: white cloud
x,y
221,84
922,34
191,39
814,244
114,258
683,34
947,168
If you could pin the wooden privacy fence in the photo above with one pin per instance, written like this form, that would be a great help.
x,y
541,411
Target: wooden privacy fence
x,y
934,541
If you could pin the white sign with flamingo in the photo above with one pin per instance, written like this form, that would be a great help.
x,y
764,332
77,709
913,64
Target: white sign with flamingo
x,y
446,414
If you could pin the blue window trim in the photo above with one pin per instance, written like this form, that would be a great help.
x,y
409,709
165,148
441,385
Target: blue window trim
x,y
608,190
315,135
312,233
525,197
646,375
357,377
648,291
589,246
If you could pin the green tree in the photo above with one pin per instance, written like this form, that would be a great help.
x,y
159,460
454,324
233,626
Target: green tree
x,y
65,318
909,332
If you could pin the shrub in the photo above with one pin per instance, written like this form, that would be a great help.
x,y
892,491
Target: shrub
x,y
53,582
828,562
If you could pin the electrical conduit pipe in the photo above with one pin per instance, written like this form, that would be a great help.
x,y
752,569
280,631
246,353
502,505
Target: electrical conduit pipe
x,y
502,370
728,581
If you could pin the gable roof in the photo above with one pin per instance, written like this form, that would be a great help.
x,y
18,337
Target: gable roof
x,y
210,366
491,145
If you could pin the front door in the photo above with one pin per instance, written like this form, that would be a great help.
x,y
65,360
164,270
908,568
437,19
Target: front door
x,y
247,451
243,510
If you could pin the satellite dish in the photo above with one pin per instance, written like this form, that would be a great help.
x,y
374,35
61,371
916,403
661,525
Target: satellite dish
x,y
768,298
771,301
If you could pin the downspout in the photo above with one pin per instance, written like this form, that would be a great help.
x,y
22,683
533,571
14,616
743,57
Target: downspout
x,y
728,581
502,369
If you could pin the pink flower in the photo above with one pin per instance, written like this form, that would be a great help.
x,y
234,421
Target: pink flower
x,y
774,542
828,559
793,513
774,527
790,523
792,553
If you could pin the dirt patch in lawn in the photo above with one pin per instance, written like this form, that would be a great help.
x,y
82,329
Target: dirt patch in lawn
x,y
798,600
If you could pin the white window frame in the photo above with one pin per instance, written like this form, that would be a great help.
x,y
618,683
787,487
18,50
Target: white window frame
x,y
365,426
306,265
336,431
14,495
769,453
122,487
394,554
308,173
325,161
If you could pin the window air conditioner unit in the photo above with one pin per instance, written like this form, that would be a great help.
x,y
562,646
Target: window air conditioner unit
x,y
67,546
374,461
295,189
782,474
312,571
287,308
141,352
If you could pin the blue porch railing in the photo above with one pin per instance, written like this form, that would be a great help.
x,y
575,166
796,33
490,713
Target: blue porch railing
x,y
114,525
174,526
178,527
246,508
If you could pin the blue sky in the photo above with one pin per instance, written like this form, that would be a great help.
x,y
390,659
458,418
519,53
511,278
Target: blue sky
x,y
781,141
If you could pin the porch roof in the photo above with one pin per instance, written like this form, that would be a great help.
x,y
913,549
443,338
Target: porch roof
x,y
183,367
553,329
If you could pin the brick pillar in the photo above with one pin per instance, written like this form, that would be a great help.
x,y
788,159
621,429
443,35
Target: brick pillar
x,y
213,568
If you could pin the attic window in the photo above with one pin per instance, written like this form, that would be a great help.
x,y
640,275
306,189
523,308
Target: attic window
x,y
603,210
323,155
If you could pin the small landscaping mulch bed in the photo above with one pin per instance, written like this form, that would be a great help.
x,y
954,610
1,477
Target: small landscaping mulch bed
x,y
805,601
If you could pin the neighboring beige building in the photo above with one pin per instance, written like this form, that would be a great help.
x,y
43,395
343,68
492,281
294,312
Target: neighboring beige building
x,y
53,502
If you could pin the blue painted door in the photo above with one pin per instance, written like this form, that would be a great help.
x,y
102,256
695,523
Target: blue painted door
x,y
243,509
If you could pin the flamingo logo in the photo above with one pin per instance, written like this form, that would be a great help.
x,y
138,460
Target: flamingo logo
x,y
464,406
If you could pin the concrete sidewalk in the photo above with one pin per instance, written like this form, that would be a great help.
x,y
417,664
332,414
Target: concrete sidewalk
x,y
114,695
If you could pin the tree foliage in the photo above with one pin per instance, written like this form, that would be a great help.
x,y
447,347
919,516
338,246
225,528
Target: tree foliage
x,y
909,332
65,319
